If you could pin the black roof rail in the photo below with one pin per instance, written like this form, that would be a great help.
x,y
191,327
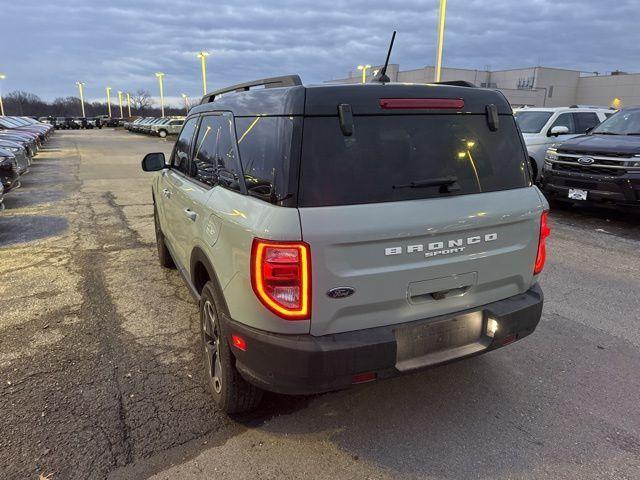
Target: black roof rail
x,y
274,82
457,83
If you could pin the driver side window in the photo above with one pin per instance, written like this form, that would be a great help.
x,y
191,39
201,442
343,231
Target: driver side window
x,y
181,152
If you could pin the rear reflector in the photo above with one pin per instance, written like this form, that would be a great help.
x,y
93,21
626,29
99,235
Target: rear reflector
x,y
422,103
364,377
239,342
541,256
281,277
509,339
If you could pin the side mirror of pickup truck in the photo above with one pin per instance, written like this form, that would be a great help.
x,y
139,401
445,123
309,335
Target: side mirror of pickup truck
x,y
152,162
558,130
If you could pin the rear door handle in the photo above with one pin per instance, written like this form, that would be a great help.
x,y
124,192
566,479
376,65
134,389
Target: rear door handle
x,y
166,193
191,215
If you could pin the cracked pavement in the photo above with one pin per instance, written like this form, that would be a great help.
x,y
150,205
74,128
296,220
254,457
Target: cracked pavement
x,y
100,374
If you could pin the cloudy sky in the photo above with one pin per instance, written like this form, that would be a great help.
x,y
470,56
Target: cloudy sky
x,y
46,46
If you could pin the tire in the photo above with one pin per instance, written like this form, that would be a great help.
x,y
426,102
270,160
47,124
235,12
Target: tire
x,y
231,393
164,256
162,133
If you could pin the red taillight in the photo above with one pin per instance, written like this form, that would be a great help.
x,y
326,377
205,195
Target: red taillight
x,y
421,103
363,377
281,277
541,257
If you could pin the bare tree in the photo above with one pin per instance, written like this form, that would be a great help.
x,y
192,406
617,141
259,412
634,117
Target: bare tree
x,y
142,100
24,103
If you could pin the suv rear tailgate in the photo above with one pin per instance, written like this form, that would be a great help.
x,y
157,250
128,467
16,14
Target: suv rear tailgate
x,y
416,259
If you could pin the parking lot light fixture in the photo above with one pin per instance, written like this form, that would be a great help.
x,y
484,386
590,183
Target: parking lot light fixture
x,y
129,104
185,97
81,89
120,101
160,76
2,77
203,63
441,20
364,69
109,100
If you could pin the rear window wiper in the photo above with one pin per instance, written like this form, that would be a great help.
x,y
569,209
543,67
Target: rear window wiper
x,y
446,184
633,133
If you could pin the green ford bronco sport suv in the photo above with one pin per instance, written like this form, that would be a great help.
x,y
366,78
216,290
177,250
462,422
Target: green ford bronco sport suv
x,y
339,234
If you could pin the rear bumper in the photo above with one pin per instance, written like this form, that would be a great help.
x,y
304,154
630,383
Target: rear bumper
x,y
304,364
603,190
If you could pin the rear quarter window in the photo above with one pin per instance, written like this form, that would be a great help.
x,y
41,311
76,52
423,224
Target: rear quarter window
x,y
387,153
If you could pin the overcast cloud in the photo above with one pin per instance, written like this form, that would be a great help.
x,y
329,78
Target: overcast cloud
x,y
45,46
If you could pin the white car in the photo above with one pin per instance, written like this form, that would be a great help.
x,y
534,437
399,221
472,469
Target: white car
x,y
542,127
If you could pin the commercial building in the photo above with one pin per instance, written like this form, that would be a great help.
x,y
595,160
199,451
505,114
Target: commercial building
x,y
533,86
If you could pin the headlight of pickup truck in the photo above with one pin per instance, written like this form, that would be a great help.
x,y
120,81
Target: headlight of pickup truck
x,y
551,155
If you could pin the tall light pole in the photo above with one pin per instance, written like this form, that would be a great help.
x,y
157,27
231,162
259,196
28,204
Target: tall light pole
x,y
160,76
185,97
109,100
2,77
129,104
120,101
443,14
81,88
203,63
364,69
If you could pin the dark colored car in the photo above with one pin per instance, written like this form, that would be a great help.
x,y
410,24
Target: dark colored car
x,y
19,151
112,122
600,168
9,176
9,123
22,138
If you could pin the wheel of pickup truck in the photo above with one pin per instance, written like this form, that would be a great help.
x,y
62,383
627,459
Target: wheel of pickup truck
x,y
162,133
231,392
164,256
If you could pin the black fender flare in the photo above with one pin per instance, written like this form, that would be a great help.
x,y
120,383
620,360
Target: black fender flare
x,y
198,256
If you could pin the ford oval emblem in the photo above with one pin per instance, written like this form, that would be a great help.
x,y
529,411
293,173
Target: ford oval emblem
x,y
585,160
341,292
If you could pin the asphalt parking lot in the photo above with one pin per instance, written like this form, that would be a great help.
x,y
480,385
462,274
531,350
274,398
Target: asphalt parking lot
x,y
101,377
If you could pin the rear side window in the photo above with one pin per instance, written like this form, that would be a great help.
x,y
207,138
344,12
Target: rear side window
x,y
183,146
215,161
265,147
386,154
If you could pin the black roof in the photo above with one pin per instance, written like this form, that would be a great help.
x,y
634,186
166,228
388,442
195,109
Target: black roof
x,y
297,99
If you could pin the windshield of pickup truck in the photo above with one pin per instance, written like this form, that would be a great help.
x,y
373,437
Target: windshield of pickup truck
x,y
532,122
622,123
407,157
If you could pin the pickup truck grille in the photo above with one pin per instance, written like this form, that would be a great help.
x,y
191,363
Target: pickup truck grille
x,y
612,165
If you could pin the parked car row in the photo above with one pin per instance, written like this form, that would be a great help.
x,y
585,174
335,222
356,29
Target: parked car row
x,y
584,154
20,140
159,126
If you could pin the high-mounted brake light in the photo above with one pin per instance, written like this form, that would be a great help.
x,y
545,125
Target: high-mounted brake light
x,y
281,277
421,103
541,257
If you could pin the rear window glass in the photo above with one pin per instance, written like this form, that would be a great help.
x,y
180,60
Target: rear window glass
x,y
386,154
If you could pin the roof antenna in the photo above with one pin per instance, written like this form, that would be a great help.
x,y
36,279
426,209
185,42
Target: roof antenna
x,y
381,76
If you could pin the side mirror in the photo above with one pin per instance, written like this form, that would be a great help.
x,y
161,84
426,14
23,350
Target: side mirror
x,y
152,162
558,130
